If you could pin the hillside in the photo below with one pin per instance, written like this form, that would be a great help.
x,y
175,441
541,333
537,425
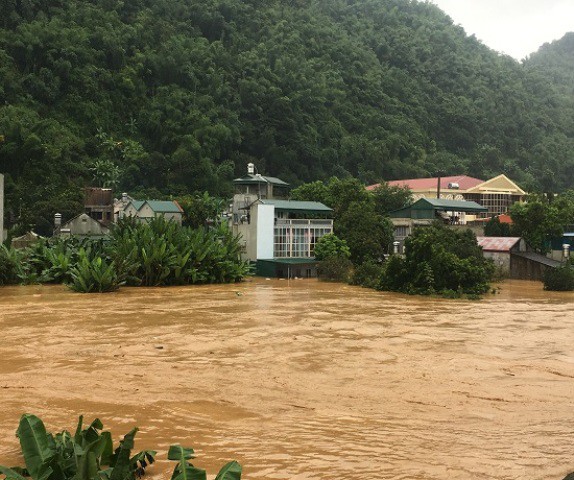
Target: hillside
x,y
175,96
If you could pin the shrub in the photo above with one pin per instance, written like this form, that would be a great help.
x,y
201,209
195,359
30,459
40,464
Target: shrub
x,y
331,246
93,274
10,265
83,456
439,259
368,274
335,269
560,279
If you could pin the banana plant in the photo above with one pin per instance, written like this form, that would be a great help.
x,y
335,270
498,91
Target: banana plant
x,y
184,470
78,457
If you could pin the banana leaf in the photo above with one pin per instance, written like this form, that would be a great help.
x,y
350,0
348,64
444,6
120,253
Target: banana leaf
x,y
230,471
11,474
37,449
184,470
123,469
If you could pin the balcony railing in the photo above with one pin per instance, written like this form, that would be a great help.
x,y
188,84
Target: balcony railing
x,y
314,222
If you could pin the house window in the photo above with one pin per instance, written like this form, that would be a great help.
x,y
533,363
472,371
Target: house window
x,y
298,240
401,231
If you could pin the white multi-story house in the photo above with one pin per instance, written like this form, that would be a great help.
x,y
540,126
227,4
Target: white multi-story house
x,y
278,234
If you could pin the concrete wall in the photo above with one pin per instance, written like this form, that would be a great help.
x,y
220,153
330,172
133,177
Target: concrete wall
x,y
501,261
265,231
525,269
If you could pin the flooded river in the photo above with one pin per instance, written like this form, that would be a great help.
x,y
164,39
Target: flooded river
x,y
301,379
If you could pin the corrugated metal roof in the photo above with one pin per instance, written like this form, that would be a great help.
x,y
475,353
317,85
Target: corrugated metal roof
x,y
164,206
497,244
452,205
158,206
137,204
464,183
297,205
260,179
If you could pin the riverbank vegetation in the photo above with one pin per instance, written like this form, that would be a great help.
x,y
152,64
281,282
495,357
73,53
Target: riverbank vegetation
x,y
89,454
158,253
439,260
559,279
173,98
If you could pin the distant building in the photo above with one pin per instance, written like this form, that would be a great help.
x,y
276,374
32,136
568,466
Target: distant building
x,y
425,211
99,204
278,235
80,226
496,194
25,240
499,250
145,210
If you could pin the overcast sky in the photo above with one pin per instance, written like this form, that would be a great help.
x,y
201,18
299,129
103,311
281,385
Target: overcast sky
x,y
514,27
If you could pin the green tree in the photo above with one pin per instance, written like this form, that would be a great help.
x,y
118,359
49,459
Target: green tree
x,y
437,260
331,246
537,221
389,198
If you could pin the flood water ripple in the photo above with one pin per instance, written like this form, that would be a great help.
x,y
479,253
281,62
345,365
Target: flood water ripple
x,y
302,379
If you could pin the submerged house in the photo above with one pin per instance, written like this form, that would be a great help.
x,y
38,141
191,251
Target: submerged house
x,y
500,250
278,234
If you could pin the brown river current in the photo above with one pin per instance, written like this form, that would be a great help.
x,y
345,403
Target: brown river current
x,y
302,379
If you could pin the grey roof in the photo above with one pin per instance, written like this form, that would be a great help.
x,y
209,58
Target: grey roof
x,y
297,205
549,262
164,206
452,205
158,206
250,179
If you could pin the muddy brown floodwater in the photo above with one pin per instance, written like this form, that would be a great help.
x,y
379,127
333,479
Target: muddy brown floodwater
x,y
302,379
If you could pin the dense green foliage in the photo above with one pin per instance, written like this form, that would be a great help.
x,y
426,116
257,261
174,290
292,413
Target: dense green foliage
x,y
560,279
439,260
163,253
331,246
356,217
336,268
157,253
333,256
84,455
494,228
542,218
176,96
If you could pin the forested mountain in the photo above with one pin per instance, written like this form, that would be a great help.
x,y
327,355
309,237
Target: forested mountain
x,y
177,96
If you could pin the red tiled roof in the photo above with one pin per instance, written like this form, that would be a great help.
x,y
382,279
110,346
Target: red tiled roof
x,y
497,244
464,182
504,218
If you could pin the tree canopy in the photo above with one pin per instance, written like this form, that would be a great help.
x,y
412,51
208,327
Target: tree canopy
x,y
176,96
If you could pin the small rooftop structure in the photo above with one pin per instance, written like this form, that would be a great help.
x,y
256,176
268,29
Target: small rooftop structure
x,y
99,204
260,186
